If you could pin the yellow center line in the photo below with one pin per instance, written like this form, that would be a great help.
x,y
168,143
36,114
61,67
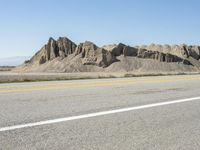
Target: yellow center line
x,y
60,84
119,83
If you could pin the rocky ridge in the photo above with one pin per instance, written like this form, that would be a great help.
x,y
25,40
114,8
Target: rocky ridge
x,y
63,55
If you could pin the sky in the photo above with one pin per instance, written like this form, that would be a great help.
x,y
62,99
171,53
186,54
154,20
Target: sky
x,y
26,25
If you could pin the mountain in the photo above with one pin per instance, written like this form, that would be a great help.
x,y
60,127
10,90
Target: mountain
x,y
13,61
63,55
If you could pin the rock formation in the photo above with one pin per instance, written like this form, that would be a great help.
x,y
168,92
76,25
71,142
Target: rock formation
x,y
93,55
53,49
63,55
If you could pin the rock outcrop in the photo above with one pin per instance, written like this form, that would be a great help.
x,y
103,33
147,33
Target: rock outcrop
x,y
53,49
93,55
65,47
160,56
63,55
183,51
130,51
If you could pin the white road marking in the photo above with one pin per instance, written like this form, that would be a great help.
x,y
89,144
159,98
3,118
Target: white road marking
x,y
53,121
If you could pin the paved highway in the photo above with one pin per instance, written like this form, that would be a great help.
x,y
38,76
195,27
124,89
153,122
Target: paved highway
x,y
111,114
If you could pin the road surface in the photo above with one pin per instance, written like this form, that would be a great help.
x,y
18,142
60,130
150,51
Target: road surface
x,y
104,114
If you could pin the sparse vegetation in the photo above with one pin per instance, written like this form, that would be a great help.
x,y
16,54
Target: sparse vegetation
x,y
37,77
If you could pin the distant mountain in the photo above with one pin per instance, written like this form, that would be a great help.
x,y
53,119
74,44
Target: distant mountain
x,y
13,61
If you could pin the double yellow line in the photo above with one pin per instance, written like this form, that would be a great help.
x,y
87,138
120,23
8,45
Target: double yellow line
x,y
99,83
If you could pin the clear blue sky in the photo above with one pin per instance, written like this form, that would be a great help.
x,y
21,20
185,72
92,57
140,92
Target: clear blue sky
x,y
27,24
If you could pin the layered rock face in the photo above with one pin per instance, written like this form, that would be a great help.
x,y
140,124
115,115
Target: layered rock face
x,y
156,53
67,53
177,53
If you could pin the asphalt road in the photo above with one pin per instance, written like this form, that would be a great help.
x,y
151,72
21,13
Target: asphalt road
x,y
158,119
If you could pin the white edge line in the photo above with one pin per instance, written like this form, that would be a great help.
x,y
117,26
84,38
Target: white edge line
x,y
53,121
